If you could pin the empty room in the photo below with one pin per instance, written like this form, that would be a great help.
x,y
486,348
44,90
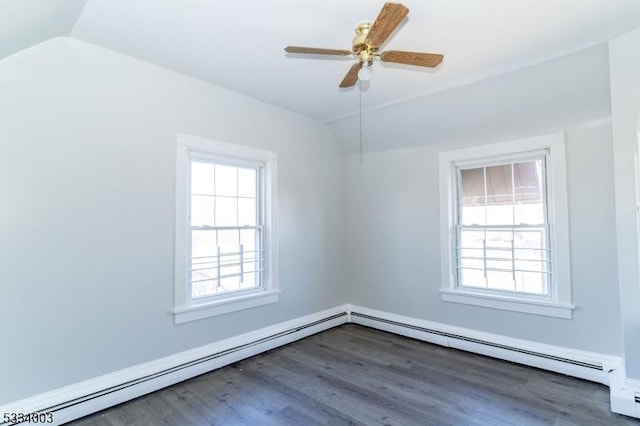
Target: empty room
x,y
281,212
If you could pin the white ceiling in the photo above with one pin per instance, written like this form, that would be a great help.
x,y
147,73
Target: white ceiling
x,y
239,44
544,98
24,23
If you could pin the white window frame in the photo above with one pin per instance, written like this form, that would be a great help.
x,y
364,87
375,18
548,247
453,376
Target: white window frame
x,y
188,309
558,302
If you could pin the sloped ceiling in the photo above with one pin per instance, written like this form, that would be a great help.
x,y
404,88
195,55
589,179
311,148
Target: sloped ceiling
x,y
542,98
239,44
24,23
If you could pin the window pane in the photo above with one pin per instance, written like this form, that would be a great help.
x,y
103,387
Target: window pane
x,y
472,198
471,239
529,193
528,177
499,239
499,187
471,253
229,264
471,259
248,239
504,264
499,195
473,215
203,244
202,210
529,254
472,183
203,288
531,266
230,283
202,179
467,263
249,280
499,280
226,211
529,213
229,241
531,282
471,278
204,263
226,180
247,182
247,212
533,239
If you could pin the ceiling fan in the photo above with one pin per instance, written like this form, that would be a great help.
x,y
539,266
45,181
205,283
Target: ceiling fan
x,y
369,37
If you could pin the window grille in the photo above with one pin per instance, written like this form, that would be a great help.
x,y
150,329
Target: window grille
x,y
502,231
226,227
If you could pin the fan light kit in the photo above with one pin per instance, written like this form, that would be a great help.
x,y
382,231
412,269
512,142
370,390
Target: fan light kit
x,y
368,39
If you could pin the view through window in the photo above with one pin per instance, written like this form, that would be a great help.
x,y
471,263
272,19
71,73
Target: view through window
x,y
226,215
502,231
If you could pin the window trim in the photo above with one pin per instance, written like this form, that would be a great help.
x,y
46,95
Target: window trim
x,y
558,303
185,308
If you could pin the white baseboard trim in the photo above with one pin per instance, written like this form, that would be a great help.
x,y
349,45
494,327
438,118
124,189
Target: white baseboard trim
x,y
585,365
593,366
80,399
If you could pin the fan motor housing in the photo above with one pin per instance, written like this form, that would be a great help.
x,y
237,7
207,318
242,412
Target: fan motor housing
x,y
360,47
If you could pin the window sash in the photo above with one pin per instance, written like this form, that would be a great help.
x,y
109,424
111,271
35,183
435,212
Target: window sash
x,y
508,258
469,165
241,262
237,264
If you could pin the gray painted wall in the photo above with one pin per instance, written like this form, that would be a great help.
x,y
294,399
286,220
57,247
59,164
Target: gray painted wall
x,y
568,90
393,204
625,114
87,212
394,244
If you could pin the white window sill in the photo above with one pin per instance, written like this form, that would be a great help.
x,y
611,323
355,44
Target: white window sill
x,y
225,306
529,306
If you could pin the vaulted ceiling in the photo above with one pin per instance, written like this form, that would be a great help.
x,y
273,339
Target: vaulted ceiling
x,y
239,44
24,23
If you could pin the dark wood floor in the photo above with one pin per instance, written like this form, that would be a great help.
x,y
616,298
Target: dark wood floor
x,y
359,376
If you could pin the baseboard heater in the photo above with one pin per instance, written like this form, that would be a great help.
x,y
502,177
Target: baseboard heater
x,y
69,406
594,366
147,378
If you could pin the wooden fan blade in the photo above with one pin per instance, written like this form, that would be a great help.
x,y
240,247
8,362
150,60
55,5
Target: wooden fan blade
x,y
389,18
352,76
317,51
412,58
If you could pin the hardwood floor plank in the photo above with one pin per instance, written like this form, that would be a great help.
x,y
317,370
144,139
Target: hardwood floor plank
x,y
354,375
301,401
345,396
381,382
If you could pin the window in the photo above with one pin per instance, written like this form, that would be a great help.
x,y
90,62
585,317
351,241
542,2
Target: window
x,y
502,227
225,226
505,239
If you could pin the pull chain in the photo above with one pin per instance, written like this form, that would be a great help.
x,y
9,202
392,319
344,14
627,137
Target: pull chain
x,y
360,99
